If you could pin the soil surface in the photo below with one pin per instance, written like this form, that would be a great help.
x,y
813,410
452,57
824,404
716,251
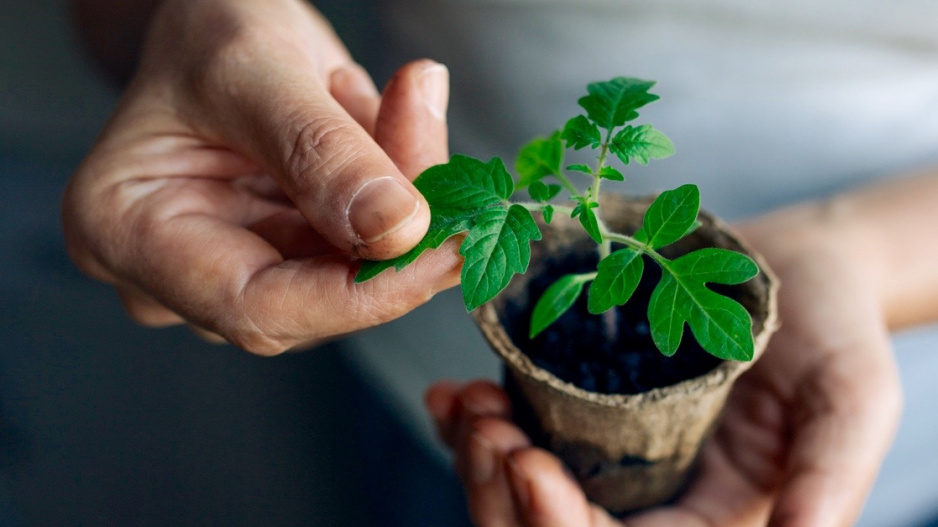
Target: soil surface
x,y
611,353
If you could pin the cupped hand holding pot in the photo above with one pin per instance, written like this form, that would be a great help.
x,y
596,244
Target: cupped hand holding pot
x,y
247,167
802,436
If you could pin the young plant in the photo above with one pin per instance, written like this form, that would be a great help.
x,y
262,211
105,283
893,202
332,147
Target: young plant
x,y
470,196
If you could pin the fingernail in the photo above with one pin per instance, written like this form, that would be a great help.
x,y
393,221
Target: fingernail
x,y
481,459
434,83
381,207
520,484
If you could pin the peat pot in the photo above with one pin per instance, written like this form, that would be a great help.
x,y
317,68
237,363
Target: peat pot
x,y
628,451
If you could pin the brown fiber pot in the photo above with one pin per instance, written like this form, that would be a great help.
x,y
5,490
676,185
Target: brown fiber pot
x,y
628,451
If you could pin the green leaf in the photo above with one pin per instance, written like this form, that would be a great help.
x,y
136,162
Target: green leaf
x,y
717,266
670,216
693,228
540,157
612,103
580,132
541,192
458,192
584,211
616,279
465,184
665,317
641,143
721,325
581,168
497,247
611,174
441,228
548,213
558,298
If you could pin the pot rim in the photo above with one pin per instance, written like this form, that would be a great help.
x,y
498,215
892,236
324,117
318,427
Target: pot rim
x,y
486,318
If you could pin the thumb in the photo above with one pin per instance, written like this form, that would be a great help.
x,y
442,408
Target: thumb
x,y
339,178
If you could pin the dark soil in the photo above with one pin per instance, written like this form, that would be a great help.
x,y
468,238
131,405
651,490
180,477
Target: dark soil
x,y
608,353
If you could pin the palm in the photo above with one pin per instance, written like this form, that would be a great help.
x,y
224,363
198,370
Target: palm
x,y
821,398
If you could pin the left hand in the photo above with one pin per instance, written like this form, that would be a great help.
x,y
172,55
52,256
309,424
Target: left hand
x,y
799,444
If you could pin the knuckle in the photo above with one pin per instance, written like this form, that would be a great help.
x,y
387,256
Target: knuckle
x,y
253,330
321,145
254,341
149,315
220,57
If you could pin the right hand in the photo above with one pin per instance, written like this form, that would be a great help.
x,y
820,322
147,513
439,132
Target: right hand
x,y
248,166
801,438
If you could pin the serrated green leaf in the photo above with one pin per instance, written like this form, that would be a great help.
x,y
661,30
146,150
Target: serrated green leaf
x,y
457,192
721,325
441,229
617,276
465,184
584,211
611,174
612,103
580,132
548,213
542,192
640,143
497,247
670,216
578,167
541,157
556,300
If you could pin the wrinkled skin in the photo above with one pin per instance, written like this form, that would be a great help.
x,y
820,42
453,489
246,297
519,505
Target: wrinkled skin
x,y
230,189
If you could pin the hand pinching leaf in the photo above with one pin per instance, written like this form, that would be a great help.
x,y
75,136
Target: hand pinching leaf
x,y
458,193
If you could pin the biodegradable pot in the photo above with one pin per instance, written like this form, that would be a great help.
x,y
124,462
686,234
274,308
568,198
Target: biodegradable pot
x,y
627,451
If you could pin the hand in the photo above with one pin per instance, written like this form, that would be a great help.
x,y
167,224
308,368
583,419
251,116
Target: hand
x,y
249,164
802,437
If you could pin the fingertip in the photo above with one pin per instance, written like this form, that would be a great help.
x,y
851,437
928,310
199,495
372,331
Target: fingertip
x,y
411,125
545,490
440,397
485,398
354,90
388,216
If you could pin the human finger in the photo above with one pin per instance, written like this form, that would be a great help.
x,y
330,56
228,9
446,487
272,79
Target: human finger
x,y
411,125
547,496
477,399
482,459
450,403
353,88
341,180
144,309
440,401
